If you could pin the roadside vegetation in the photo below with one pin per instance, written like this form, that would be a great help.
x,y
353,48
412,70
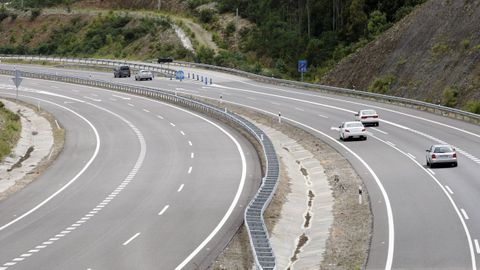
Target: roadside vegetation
x,y
10,128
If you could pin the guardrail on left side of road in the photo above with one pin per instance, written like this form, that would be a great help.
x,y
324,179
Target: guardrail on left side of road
x,y
253,215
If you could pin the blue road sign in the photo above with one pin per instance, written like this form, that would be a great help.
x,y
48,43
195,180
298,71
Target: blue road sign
x,y
302,66
179,75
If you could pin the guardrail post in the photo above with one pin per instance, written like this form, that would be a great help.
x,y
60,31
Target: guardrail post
x,y
279,117
210,80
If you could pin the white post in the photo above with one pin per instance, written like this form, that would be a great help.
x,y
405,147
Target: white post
x,y
360,192
279,117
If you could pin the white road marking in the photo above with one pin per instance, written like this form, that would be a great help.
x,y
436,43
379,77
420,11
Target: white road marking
x,y
33,250
124,98
381,131
323,116
477,246
275,103
410,155
449,189
131,239
390,143
18,259
92,99
172,124
68,102
335,128
464,213
160,117
190,170
26,255
192,155
299,109
251,98
190,143
145,110
431,171
181,132
163,210
130,104
181,187
10,264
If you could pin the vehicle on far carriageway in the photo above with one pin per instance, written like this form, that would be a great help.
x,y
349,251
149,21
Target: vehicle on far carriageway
x,y
441,154
352,129
121,71
368,117
143,75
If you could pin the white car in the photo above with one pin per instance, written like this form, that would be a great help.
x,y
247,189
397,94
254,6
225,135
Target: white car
x,y
367,117
354,129
441,154
143,75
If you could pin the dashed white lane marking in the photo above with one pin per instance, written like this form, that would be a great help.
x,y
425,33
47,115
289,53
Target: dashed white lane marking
x,y
381,131
323,116
390,143
163,210
276,103
92,99
335,128
477,246
181,132
130,104
124,98
190,170
145,110
181,187
131,239
412,156
299,109
190,143
431,171
251,98
160,117
18,259
449,189
464,213
192,155
172,124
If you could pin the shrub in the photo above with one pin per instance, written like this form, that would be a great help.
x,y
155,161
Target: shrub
x,y
207,15
34,13
3,13
449,96
472,106
382,84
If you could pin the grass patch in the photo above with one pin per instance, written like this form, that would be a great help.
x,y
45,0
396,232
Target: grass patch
x,y
10,128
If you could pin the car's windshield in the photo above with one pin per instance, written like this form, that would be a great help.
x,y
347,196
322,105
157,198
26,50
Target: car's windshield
x,y
354,125
443,149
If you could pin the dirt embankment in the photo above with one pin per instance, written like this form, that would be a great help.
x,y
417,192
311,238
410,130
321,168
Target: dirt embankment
x,y
436,47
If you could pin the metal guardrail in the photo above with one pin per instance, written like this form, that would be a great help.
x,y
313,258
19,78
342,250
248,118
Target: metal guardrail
x,y
411,103
262,250
91,61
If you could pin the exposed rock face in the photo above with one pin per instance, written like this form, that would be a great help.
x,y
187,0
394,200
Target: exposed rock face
x,y
436,47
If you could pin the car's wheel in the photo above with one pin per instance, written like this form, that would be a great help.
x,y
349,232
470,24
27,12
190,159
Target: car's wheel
x,y
455,164
365,138
428,163
378,124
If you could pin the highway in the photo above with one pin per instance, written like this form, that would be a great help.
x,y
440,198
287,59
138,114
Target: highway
x,y
139,184
423,218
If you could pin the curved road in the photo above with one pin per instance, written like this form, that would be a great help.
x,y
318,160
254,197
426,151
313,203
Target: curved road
x,y
140,184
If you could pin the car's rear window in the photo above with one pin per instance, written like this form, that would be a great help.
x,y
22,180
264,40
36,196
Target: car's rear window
x,y
124,68
354,125
443,149
369,112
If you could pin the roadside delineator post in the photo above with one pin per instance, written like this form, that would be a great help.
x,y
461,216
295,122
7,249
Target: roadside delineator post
x,y
360,193
279,117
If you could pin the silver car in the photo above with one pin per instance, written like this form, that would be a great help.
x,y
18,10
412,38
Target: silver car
x,y
368,117
143,75
441,154
354,129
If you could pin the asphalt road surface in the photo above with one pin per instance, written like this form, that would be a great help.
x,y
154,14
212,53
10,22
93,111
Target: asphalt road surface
x,y
140,184
423,218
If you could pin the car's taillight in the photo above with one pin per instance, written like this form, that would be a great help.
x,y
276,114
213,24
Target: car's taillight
x,y
364,117
375,116
454,155
434,156
346,130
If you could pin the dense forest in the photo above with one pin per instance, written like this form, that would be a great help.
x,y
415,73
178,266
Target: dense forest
x,y
282,32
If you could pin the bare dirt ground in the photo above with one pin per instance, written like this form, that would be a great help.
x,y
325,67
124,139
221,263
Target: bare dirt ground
x,y
58,142
348,244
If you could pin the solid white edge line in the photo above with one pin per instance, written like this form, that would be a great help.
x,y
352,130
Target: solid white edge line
x,y
431,171
464,213
477,246
163,210
131,239
449,189
89,162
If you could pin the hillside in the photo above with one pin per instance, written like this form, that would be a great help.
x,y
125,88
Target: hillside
x,y
433,55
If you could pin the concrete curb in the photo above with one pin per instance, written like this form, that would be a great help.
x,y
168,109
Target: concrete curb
x,y
36,132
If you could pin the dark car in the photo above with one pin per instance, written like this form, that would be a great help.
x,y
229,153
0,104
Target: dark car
x,y
121,71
